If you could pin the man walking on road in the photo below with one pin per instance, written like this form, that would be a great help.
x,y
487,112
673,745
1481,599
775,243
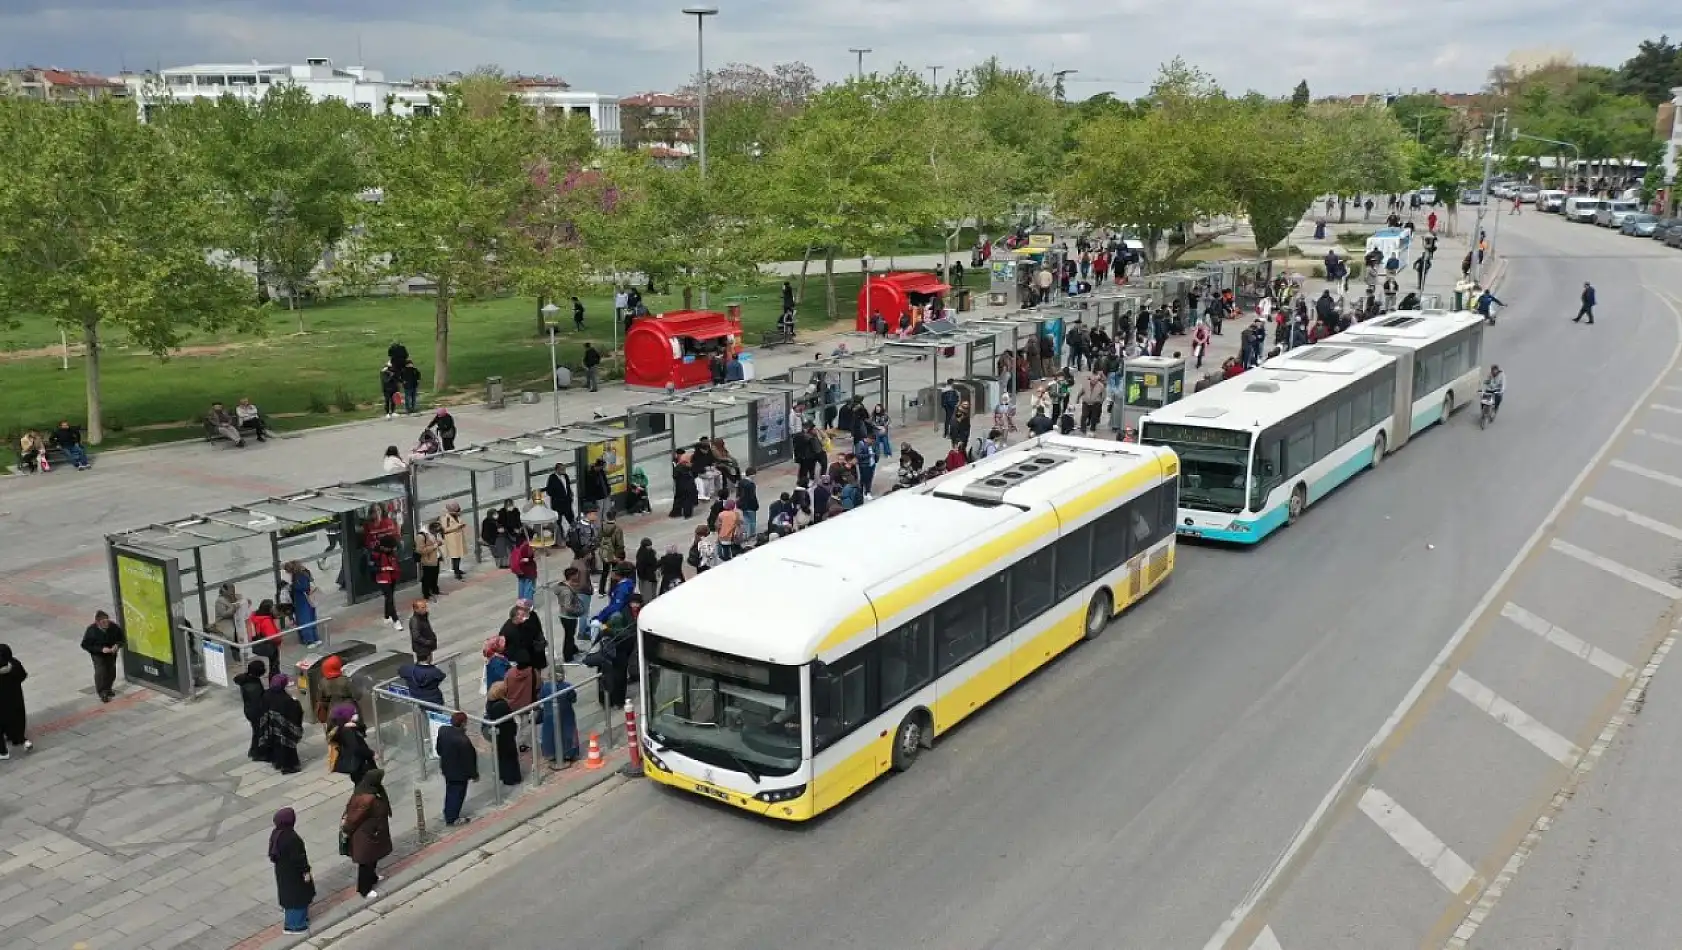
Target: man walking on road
x,y
592,360
102,640
1422,266
1587,309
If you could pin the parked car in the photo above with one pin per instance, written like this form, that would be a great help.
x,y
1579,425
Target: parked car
x,y
1673,237
1527,194
1551,201
1611,214
1471,196
1428,195
1639,225
1582,210
1663,227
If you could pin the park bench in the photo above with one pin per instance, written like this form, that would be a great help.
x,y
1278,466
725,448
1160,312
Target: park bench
x,y
778,337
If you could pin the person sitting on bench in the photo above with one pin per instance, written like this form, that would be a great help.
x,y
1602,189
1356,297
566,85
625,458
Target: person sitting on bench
x,y
69,439
30,450
218,421
250,420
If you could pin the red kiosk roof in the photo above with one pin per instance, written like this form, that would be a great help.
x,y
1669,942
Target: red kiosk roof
x,y
916,282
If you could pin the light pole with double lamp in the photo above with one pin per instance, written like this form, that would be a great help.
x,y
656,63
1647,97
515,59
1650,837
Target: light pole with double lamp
x,y
859,51
549,310
700,14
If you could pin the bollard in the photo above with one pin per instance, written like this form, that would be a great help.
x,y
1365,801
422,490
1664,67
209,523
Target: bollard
x,y
633,768
420,814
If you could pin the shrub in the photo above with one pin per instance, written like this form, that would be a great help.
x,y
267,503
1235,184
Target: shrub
x,y
344,400
318,405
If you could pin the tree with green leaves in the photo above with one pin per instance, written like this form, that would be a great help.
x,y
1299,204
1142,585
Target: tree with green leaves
x,y
286,171
106,226
453,188
1370,150
1651,74
1299,95
1021,114
1288,159
845,180
967,175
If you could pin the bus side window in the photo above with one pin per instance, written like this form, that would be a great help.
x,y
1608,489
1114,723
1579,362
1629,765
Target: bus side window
x,y
1267,472
844,696
1299,451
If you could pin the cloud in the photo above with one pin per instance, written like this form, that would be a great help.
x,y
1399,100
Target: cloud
x,y
626,46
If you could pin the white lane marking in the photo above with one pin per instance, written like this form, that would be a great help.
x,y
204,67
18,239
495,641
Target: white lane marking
x,y
1639,520
1664,408
1634,697
1486,901
1346,781
1659,437
1617,570
1450,869
1266,940
1526,727
1593,655
1661,477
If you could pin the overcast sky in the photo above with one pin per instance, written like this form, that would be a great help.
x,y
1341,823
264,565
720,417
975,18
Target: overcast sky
x,y
627,46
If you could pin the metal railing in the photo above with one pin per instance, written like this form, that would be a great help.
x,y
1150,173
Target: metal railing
x,y
216,660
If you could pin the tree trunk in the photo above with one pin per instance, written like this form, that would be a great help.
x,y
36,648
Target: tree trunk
x,y
805,264
441,338
1342,210
542,325
829,282
688,297
96,416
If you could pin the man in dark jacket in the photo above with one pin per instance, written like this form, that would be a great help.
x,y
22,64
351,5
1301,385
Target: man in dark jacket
x,y
559,490
949,400
459,763
747,501
597,490
592,362
808,454
425,681
1587,309
103,640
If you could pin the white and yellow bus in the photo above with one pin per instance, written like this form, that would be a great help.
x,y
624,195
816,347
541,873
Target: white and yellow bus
x,y
787,679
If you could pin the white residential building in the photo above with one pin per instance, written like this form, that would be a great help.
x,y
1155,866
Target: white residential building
x,y
365,88
1673,148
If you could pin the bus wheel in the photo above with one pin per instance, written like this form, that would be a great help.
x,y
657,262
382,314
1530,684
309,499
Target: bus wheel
x,y
1448,406
1098,614
1299,501
908,741
1380,445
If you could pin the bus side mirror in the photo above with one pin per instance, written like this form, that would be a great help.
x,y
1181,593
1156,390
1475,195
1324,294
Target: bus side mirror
x,y
820,670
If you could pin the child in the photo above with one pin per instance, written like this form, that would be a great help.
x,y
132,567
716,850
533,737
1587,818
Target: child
x,y
1004,414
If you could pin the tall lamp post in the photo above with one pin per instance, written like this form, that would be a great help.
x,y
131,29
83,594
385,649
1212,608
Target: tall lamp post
x,y
549,310
700,14
869,311
859,51
543,521
1483,198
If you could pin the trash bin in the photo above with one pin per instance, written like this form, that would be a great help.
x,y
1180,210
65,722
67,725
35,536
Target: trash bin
x,y
966,300
493,392
367,672
309,669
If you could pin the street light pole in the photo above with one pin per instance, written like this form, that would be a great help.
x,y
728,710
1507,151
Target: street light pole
x,y
1483,198
869,312
934,77
1537,138
700,14
549,310
859,52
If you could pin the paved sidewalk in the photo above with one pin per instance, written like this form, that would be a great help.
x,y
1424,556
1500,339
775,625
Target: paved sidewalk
x,y
140,823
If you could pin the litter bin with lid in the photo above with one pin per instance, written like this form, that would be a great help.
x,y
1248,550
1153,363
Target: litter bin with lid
x,y
493,392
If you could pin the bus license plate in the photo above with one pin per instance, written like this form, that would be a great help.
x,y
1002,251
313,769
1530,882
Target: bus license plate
x,y
719,794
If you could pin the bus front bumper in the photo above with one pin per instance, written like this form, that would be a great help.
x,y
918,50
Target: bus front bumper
x,y
796,808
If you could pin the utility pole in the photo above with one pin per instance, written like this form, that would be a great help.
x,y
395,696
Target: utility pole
x,y
700,14
859,52
1484,197
934,77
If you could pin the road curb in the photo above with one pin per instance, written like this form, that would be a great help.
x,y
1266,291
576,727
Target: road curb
x,y
443,860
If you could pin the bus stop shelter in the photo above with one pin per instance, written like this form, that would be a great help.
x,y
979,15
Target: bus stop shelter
x,y
826,383
926,362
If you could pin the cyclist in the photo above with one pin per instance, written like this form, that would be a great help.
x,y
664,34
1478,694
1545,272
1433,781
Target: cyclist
x,y
1496,385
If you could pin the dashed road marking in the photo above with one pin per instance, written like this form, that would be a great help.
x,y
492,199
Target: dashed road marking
x,y
1659,437
1664,408
1659,477
1593,655
1617,570
1639,520
1266,940
1525,726
1450,869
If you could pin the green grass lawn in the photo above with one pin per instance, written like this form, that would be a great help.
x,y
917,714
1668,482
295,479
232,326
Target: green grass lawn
x,y
330,373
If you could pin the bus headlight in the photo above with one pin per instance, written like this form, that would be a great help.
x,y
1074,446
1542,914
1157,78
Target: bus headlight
x,y
1239,526
654,760
780,795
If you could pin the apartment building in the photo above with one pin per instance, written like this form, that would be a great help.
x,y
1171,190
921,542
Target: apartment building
x,y
59,85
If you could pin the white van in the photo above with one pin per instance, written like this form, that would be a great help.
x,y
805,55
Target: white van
x,y
1550,200
1582,210
1612,213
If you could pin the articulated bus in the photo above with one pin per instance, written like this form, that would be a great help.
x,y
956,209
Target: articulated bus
x,y
1438,352
1256,450
789,678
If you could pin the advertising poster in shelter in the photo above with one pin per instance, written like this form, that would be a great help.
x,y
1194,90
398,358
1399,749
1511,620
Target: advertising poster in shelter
x,y
151,652
613,452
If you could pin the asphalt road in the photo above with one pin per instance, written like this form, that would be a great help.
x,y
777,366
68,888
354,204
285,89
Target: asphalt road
x,y
1138,790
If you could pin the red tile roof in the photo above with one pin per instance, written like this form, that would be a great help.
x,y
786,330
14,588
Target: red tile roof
x,y
64,77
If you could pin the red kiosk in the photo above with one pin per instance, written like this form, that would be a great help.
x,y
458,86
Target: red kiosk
x,y
675,348
895,293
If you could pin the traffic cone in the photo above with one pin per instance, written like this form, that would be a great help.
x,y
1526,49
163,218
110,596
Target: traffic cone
x,y
593,759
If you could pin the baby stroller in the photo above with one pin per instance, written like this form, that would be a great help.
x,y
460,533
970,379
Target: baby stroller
x,y
427,446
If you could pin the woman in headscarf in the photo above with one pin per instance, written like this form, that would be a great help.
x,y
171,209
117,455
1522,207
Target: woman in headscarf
x,y
293,881
332,691
253,683
347,746
455,537
265,634
365,830
496,661
13,716
507,734
671,568
302,584
283,725
559,709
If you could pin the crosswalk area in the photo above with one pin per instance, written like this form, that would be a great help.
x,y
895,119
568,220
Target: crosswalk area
x,y
1424,840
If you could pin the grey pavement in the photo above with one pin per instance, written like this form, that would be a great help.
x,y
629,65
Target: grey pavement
x,y
150,804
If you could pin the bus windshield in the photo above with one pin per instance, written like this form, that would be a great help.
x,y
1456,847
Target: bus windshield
x,y
1213,463
723,710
